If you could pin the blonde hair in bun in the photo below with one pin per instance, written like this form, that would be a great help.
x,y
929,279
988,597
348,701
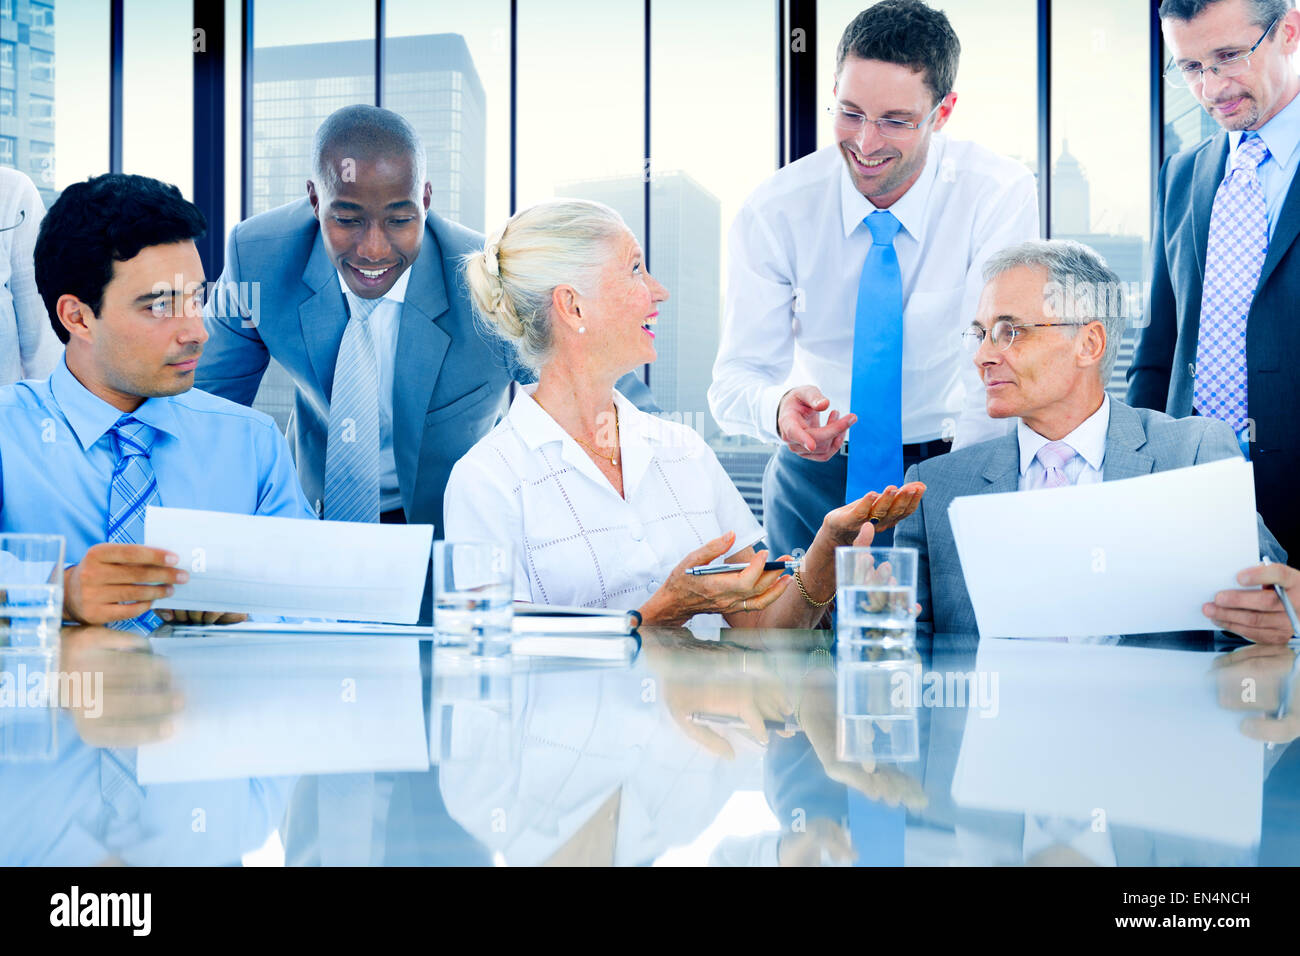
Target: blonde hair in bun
x,y
510,281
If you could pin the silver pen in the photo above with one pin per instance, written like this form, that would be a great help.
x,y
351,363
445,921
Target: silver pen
x,y
730,568
1285,694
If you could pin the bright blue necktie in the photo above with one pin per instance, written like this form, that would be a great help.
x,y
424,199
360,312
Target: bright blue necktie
x,y
876,447
132,489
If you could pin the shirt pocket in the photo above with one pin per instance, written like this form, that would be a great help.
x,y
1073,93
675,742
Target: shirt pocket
x,y
932,327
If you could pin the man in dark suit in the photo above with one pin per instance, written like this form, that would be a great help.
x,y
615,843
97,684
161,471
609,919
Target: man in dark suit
x,y
1220,336
355,290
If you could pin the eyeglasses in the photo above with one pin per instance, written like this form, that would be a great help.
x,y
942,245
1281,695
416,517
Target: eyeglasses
x,y
889,128
1004,332
1228,66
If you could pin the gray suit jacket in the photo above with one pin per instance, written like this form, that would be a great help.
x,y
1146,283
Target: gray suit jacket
x,y
279,297
1138,442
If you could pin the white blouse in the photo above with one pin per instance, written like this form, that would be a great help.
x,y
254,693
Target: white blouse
x,y
528,483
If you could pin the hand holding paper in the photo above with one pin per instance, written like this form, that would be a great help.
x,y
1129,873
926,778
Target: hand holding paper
x,y
294,567
1140,555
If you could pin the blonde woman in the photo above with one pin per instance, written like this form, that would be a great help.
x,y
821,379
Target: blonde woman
x,y
605,505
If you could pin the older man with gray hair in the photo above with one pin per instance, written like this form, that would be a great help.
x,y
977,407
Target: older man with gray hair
x,y
1044,340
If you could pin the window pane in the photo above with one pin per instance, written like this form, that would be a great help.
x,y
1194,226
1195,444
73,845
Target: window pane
x,y
304,68
1101,155
447,70
158,114
997,78
58,130
705,161
581,95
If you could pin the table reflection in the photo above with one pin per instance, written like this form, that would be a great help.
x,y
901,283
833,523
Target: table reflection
x,y
732,747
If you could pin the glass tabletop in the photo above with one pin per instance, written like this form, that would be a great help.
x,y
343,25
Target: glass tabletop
x,y
731,747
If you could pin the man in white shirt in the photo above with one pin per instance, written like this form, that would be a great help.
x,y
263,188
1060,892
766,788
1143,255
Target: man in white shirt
x,y
825,314
1045,346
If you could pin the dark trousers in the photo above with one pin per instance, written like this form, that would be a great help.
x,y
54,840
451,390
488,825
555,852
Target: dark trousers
x,y
797,494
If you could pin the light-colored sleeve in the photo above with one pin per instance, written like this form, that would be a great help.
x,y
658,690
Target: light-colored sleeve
x,y
39,348
732,512
1009,218
280,494
479,505
756,350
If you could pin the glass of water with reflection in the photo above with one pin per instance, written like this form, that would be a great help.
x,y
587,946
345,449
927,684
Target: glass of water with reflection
x,y
875,594
31,589
473,590
877,699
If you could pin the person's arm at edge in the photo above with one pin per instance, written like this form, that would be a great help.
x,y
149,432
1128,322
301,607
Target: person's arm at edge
x,y
235,358
756,347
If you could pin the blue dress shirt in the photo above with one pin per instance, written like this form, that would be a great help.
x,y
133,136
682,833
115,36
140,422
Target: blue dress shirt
x,y
56,460
1281,135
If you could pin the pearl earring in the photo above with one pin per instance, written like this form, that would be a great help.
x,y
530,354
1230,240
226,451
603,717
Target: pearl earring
x,y
581,329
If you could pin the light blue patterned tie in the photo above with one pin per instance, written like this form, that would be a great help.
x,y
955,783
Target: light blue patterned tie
x,y
117,782
352,449
1235,252
876,449
132,489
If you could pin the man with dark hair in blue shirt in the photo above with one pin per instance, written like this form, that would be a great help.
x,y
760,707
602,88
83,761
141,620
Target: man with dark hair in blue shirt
x,y
118,426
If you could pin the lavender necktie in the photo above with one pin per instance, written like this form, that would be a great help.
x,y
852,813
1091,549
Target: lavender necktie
x,y
1054,456
1234,256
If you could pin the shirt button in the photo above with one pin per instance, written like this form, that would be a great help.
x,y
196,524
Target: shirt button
x,y
637,532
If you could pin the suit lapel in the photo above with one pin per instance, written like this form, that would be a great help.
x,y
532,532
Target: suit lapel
x,y
1124,437
322,316
1206,176
421,348
1288,226
1002,470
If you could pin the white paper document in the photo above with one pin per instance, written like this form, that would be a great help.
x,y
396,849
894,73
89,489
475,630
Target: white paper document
x,y
1134,733
292,567
1134,556
287,706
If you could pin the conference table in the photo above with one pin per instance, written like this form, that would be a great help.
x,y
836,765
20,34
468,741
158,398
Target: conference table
x,y
709,747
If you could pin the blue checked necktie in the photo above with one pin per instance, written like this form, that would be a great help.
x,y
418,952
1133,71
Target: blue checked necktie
x,y
1234,257
352,449
132,489
876,449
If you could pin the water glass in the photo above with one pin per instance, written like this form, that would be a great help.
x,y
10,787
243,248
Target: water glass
x,y
31,589
876,594
877,699
29,701
473,591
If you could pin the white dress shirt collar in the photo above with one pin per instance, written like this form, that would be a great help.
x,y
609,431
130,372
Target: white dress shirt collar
x,y
636,433
1088,439
909,210
396,294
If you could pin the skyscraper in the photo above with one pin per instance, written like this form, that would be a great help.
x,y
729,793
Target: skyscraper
x,y
27,92
429,79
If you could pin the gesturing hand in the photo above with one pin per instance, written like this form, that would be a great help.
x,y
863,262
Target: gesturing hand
x,y
882,510
798,422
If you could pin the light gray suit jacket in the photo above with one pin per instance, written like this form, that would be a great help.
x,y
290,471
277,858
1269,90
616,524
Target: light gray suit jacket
x,y
1138,442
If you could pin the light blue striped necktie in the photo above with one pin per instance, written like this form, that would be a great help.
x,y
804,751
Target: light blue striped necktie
x,y
352,448
132,489
876,447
